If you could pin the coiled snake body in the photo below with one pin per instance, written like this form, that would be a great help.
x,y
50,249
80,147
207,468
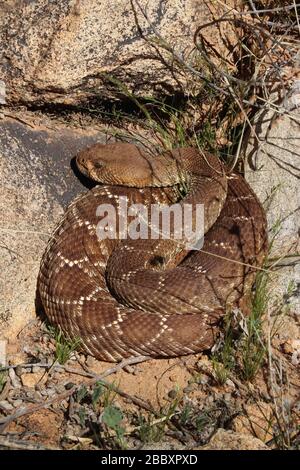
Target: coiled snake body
x,y
152,297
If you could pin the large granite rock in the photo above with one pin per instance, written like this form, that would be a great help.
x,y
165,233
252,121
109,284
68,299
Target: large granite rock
x,y
275,155
57,51
229,440
38,183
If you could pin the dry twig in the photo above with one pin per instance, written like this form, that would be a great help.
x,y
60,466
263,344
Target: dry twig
x,y
36,407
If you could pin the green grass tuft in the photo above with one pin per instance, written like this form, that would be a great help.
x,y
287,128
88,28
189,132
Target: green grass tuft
x,y
64,346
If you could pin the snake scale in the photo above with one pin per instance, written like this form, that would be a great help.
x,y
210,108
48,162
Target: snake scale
x,y
152,296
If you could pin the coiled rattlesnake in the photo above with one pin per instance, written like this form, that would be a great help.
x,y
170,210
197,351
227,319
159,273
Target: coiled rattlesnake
x,y
153,297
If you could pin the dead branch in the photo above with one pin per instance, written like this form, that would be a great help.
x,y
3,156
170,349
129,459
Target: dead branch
x,y
62,396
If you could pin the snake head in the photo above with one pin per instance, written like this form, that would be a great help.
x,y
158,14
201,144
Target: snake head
x,y
118,164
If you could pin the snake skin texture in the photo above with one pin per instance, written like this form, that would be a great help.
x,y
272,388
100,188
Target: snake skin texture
x,y
152,297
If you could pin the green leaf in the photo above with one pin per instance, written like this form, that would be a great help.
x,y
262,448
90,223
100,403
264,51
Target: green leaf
x,y
81,393
112,416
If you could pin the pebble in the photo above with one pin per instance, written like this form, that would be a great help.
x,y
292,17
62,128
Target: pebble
x,y
229,383
227,396
69,385
17,403
203,380
56,375
173,394
31,380
4,405
19,370
14,379
36,369
190,388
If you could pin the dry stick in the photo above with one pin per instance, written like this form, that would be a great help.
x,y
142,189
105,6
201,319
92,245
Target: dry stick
x,y
256,13
87,373
270,10
47,366
137,401
22,121
254,8
226,76
33,408
297,16
257,268
19,444
237,155
280,110
259,143
191,69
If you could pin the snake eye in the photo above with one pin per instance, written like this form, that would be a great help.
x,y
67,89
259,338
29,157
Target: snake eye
x,y
98,164
157,261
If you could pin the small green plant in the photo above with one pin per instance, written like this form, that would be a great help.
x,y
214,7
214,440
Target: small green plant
x,y
186,414
246,354
64,346
252,346
112,417
149,430
109,394
201,421
153,428
97,393
222,373
223,360
206,138
164,122
81,393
